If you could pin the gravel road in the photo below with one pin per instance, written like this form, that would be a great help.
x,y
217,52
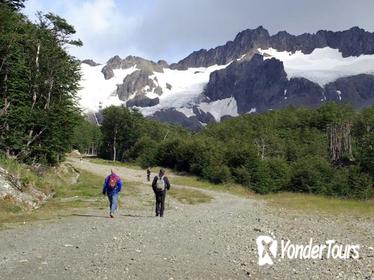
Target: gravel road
x,y
215,240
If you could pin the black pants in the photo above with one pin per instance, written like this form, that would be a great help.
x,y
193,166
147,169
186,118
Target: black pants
x,y
160,202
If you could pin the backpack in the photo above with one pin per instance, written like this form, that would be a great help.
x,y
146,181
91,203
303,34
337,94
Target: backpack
x,y
160,184
112,182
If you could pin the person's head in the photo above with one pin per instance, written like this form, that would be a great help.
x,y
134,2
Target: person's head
x,y
112,172
162,172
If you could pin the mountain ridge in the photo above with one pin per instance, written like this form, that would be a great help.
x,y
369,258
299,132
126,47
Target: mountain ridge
x,y
254,73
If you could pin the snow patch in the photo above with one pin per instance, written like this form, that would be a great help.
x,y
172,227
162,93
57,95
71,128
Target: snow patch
x,y
186,87
188,112
339,93
240,58
323,65
97,92
220,108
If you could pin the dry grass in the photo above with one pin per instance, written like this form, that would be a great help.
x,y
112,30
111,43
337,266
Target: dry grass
x,y
189,196
193,181
320,204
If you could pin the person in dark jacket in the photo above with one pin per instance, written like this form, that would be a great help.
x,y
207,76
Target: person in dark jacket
x,y
160,185
148,174
112,187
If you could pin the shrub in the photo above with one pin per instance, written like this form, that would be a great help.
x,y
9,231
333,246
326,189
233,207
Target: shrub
x,y
242,175
217,173
262,182
360,184
311,174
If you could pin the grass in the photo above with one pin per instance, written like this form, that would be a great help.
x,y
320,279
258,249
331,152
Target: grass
x,y
310,203
193,181
88,185
315,203
67,196
189,196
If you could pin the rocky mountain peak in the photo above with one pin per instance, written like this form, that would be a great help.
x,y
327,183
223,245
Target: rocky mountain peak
x,y
249,37
130,61
90,62
352,42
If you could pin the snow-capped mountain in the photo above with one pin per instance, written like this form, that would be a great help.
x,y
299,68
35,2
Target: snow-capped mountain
x,y
254,73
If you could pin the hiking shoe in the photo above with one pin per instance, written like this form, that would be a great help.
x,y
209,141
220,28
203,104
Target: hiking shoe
x,y
111,215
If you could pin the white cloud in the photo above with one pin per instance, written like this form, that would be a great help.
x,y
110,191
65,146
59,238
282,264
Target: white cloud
x,y
100,24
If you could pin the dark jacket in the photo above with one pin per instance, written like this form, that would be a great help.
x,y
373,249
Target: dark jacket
x,y
154,184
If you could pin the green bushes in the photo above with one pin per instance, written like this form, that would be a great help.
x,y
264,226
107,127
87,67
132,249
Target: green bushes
x,y
285,150
310,174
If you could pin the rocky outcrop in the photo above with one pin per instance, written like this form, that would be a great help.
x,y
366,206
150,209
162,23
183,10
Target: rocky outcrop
x,y
142,101
175,117
134,84
357,91
204,117
301,92
90,62
163,63
263,85
13,191
352,42
256,83
143,64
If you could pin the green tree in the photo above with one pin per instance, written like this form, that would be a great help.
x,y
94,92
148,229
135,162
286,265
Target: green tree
x,y
38,84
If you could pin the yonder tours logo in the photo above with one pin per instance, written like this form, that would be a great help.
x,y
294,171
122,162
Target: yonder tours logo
x,y
270,249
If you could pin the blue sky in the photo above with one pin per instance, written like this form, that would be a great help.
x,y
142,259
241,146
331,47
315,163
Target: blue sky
x,y
172,29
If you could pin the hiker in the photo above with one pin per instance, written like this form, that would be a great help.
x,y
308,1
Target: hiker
x,y
148,174
159,185
112,187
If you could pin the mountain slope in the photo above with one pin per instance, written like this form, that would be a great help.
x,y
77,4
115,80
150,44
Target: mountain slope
x,y
254,73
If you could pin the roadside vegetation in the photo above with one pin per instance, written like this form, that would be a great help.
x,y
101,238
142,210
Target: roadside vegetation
x,y
325,151
66,195
313,204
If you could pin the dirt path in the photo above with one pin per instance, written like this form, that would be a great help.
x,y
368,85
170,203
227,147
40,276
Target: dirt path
x,y
213,240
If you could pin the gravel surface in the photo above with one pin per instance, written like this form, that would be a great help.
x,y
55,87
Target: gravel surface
x,y
215,240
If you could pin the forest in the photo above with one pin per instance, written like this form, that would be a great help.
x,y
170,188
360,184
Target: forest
x,y
327,151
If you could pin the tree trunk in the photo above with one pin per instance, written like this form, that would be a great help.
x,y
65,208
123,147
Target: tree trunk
x,y
35,86
261,146
340,141
4,110
51,82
